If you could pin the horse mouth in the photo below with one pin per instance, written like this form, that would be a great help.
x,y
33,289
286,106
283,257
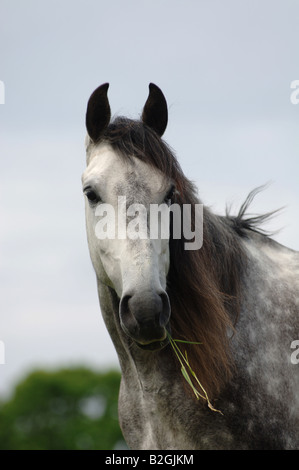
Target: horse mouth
x,y
154,345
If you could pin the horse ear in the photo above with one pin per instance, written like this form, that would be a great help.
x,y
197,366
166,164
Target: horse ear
x,y
98,112
155,113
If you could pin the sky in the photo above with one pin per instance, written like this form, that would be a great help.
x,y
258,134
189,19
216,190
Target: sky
x,y
226,70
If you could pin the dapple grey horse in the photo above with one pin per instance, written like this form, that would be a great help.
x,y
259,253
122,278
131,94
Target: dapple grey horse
x,y
237,295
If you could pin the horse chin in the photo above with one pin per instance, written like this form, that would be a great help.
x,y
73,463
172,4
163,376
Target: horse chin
x,y
150,344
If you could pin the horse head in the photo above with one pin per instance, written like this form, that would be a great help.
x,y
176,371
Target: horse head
x,y
119,192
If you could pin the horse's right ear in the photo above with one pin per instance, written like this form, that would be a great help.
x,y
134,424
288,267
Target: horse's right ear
x,y
98,113
155,113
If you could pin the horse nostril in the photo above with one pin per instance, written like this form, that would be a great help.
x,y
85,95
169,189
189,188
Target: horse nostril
x,y
127,318
124,305
165,311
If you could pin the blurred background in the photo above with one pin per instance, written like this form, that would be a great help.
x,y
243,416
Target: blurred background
x,y
66,409
226,70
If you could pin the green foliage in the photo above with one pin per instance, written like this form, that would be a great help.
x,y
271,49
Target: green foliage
x,y
64,409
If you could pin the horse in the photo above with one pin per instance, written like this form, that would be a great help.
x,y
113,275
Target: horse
x,y
236,297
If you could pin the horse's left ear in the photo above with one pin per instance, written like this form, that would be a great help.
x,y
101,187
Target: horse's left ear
x,y
98,112
155,113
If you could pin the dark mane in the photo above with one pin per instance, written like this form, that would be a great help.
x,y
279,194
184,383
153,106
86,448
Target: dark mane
x,y
133,138
242,223
203,285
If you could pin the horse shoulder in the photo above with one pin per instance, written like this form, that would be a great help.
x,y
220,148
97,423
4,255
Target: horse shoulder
x,y
268,324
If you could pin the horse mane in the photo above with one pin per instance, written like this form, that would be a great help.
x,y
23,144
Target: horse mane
x,y
203,285
242,223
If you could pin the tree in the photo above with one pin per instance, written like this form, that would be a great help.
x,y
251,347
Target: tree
x,y
64,409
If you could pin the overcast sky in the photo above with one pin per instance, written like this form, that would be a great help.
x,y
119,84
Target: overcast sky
x,y
225,68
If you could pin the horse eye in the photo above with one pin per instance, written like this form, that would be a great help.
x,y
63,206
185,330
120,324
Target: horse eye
x,y
169,195
92,196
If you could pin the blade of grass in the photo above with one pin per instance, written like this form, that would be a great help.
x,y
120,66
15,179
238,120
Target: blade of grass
x,y
183,359
185,374
186,342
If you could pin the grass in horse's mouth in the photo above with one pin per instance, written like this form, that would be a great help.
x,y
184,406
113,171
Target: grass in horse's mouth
x,y
155,345
187,371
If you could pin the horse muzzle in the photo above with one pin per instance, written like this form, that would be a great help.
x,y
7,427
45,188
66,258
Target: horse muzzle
x,y
144,317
